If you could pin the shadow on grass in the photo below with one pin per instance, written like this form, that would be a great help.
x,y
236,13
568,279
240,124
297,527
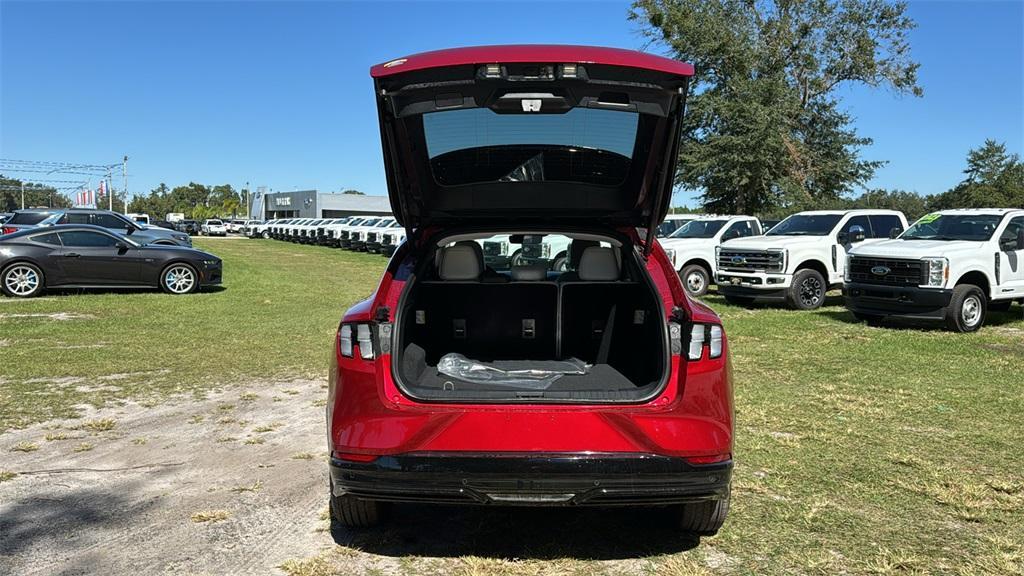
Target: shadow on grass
x,y
113,290
534,533
776,303
1012,316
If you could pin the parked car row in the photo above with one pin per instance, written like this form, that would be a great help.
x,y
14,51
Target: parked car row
x,y
36,258
952,266
374,234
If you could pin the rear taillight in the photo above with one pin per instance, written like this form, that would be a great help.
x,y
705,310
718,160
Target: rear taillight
x,y
360,335
705,336
7,230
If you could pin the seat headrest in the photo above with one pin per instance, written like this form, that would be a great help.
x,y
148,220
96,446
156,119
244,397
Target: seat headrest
x,y
530,272
598,264
461,261
576,248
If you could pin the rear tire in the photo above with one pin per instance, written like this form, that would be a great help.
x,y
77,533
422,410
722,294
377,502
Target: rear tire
x,y
807,291
704,518
22,280
695,279
967,307
352,512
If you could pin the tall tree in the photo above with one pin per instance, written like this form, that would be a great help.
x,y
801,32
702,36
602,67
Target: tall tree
x,y
994,179
764,128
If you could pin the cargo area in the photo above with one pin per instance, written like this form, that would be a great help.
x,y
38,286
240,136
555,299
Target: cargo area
x,y
591,332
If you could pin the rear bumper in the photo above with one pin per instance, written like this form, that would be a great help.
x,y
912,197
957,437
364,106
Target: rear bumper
x,y
531,479
905,302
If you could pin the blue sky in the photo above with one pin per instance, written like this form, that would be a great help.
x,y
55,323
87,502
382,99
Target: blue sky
x,y
278,94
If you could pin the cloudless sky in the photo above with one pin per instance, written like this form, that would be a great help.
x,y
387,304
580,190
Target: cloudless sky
x,y
279,94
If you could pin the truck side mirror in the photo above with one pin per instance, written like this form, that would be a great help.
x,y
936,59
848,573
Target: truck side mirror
x,y
895,232
857,234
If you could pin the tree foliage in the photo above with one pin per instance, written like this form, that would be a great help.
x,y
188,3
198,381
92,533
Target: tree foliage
x,y
764,128
197,201
35,195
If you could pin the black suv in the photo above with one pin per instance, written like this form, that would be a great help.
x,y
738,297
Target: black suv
x,y
104,218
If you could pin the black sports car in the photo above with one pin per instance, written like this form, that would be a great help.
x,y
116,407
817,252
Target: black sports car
x,y
84,256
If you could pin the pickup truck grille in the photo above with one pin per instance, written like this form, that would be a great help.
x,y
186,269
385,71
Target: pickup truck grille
x,y
343,235
532,250
371,236
386,240
492,248
750,260
886,271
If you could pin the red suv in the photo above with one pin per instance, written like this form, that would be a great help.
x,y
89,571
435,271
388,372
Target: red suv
x,y
530,343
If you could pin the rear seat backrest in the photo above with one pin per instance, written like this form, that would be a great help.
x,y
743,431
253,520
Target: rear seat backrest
x,y
461,261
598,264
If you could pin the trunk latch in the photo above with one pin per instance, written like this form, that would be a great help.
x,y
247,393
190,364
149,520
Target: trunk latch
x,y
529,328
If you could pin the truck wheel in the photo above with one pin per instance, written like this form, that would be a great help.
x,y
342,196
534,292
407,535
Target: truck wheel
x,y
807,291
696,279
266,235
999,305
966,312
704,518
355,513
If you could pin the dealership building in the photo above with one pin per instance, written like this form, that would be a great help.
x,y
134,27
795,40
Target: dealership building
x,y
313,204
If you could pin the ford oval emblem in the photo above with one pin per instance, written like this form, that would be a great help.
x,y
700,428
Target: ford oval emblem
x,y
739,260
880,270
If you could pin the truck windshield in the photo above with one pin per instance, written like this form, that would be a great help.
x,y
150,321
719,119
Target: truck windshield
x,y
806,225
970,227
699,229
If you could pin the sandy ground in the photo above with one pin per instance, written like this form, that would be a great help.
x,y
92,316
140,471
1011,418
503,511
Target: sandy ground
x,y
253,459
126,505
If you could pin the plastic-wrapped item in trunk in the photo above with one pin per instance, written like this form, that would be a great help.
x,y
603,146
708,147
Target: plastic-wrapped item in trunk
x,y
505,374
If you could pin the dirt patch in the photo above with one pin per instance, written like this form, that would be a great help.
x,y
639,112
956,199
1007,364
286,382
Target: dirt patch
x,y
59,316
128,504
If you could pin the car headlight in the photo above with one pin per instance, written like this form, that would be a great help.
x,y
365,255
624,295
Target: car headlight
x,y
846,270
211,262
671,253
936,272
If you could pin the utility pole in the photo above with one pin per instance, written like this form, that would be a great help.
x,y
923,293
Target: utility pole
x,y
124,176
22,194
110,193
248,203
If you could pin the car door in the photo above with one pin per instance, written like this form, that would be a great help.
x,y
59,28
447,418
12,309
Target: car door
x,y
94,258
844,243
1011,259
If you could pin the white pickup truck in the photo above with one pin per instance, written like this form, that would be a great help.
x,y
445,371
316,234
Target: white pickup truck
x,y
800,258
691,247
953,266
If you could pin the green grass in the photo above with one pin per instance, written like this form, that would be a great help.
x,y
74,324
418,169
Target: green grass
x,y
859,450
274,317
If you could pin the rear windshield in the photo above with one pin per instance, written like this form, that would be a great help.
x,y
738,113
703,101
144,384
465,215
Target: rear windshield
x,y
29,217
585,145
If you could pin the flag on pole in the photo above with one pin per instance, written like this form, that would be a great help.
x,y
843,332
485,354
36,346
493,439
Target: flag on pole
x,y
102,191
